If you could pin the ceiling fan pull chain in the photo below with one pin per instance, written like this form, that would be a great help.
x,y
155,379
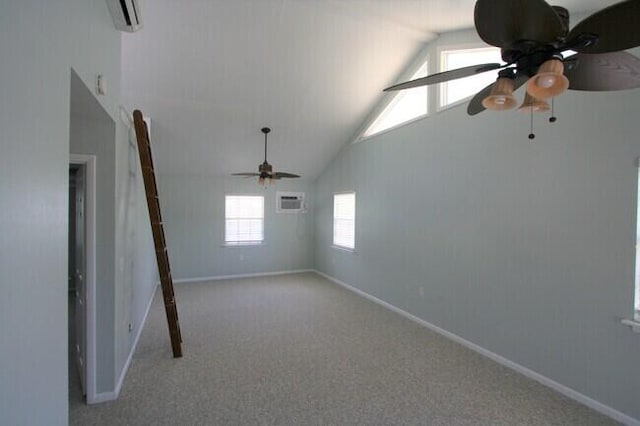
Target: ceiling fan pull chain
x,y
531,135
553,118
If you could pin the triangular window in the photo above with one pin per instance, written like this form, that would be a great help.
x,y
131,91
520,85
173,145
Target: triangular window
x,y
406,105
455,91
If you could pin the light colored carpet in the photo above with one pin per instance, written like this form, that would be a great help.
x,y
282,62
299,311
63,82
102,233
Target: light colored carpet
x,y
300,350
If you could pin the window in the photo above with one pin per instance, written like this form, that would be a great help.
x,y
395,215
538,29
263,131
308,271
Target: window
x,y
344,220
456,90
244,219
405,105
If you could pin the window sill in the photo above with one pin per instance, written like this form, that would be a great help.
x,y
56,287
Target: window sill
x,y
635,325
340,248
243,245
394,127
457,103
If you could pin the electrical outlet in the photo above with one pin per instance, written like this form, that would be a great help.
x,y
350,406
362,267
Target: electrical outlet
x,y
421,291
130,327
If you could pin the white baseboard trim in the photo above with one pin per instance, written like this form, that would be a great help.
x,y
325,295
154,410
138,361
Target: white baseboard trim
x,y
103,397
230,277
567,391
111,396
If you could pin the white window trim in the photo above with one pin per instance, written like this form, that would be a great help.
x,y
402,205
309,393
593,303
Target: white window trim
x,y
244,244
333,217
441,88
635,322
397,126
345,249
636,287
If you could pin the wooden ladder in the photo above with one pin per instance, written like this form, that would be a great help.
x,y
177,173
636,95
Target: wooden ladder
x,y
153,202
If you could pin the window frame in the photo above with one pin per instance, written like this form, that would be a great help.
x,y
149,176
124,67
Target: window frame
x,y
442,87
240,243
333,240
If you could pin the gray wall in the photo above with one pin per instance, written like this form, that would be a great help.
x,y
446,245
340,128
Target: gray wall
x,y
39,44
126,270
193,212
525,248
136,270
93,131
48,111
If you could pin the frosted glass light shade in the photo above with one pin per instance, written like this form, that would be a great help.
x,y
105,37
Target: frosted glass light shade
x,y
549,81
532,104
501,97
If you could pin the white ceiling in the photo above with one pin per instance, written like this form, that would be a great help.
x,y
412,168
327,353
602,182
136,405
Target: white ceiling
x,y
211,73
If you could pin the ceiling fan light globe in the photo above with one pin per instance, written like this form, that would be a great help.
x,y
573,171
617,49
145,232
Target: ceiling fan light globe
x,y
546,81
531,104
501,97
499,103
549,80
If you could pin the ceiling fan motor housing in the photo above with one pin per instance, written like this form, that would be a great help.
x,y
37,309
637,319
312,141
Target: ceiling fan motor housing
x,y
265,168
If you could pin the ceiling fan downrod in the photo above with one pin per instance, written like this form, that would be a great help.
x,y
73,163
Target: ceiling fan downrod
x,y
266,131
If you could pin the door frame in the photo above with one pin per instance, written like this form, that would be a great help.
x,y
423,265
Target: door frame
x,y
89,163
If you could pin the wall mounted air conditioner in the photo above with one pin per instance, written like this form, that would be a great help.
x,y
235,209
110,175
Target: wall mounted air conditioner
x,y
290,202
126,15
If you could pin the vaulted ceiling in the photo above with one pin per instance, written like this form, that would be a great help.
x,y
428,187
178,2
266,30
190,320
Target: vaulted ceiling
x,y
211,73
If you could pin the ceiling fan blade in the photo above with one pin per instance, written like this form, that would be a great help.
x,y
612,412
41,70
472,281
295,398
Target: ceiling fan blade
x,y
502,23
279,175
441,77
601,72
475,105
247,174
615,26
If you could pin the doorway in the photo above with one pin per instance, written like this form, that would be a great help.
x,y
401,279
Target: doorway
x,y
81,278
76,275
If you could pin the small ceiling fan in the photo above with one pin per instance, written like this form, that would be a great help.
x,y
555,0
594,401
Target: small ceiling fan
x,y
265,170
533,38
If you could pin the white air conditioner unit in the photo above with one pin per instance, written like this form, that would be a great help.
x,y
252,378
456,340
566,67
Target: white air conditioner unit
x,y
126,15
290,202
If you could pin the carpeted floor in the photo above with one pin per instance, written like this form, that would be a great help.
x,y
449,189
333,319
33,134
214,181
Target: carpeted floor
x,y
300,350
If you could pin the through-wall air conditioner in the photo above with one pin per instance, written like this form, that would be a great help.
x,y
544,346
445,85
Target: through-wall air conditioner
x,y
126,15
290,202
